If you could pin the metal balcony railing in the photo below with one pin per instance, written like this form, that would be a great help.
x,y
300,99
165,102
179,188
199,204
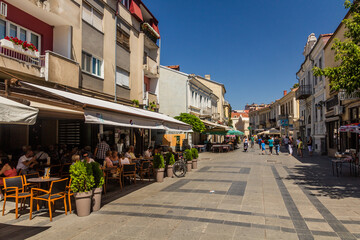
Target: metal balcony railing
x,y
303,92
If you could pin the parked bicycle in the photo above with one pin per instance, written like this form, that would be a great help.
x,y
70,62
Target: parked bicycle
x,y
179,168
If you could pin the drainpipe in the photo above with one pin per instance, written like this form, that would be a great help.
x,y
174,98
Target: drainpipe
x,y
116,14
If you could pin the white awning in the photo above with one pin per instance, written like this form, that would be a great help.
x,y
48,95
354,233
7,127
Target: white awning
x,y
99,111
16,113
215,125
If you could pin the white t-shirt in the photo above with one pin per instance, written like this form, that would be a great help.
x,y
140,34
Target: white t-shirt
x,y
147,154
21,161
124,161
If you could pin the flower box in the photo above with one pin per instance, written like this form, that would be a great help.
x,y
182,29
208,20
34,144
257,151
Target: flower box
x,y
18,48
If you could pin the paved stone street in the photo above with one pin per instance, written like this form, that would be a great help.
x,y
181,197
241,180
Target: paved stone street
x,y
232,195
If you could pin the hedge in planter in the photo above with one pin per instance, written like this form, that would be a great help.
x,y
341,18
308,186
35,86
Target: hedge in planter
x,y
99,182
195,155
82,183
159,165
188,159
170,160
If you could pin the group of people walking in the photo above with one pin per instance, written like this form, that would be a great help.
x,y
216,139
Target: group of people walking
x,y
275,143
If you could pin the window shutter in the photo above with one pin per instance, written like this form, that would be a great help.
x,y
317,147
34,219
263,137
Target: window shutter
x,y
97,20
122,77
86,14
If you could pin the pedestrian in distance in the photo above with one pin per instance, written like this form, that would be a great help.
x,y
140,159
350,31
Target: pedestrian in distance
x,y
259,142
252,141
246,144
286,143
309,145
300,147
290,146
271,144
263,148
277,145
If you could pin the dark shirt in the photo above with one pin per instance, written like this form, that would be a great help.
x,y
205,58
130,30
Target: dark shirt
x,y
277,142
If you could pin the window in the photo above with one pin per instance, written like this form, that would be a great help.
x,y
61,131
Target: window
x,y
22,34
123,39
35,40
2,29
122,77
92,64
92,16
13,30
126,3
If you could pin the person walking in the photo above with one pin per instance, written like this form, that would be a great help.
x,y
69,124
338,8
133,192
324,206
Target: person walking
x,y
100,151
286,143
259,142
290,146
309,145
252,141
246,144
300,147
263,148
271,144
277,145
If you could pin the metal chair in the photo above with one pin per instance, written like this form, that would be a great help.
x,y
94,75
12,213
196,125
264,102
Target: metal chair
x,y
145,168
129,170
69,194
117,176
31,185
58,190
65,170
14,188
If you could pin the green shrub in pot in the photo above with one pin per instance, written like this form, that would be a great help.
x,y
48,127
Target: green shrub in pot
x,y
99,182
195,153
188,155
170,159
159,165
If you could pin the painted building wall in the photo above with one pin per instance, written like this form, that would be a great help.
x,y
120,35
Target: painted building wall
x,y
172,92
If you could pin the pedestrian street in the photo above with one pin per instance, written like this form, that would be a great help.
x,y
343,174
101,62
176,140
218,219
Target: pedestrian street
x,y
233,195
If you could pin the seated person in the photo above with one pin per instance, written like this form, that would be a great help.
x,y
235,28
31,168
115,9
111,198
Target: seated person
x,y
107,162
130,153
8,170
41,156
87,158
115,158
124,160
148,152
75,158
26,162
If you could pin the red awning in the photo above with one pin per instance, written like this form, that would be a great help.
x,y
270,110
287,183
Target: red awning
x,y
136,11
156,28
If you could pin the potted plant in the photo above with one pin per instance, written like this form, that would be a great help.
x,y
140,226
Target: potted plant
x,y
195,155
159,166
82,182
170,160
188,159
99,182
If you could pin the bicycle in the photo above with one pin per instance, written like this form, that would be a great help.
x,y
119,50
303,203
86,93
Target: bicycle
x,y
179,168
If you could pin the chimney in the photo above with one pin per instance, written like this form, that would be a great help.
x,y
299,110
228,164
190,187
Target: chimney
x,y
285,92
207,77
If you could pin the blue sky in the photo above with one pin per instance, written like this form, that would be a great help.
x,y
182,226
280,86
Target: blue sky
x,y
253,47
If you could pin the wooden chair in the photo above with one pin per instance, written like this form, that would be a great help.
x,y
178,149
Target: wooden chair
x,y
69,194
117,176
145,168
58,190
31,185
129,170
14,187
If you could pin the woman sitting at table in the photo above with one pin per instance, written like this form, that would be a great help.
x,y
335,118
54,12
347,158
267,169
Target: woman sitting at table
x,y
115,157
75,158
130,153
8,170
87,158
124,160
107,162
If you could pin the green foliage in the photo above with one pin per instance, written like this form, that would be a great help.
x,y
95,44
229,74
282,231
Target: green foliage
x,y
195,153
152,106
158,161
82,179
347,75
296,85
188,155
170,159
135,102
195,122
98,175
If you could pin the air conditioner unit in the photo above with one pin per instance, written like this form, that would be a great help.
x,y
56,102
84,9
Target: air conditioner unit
x,y
3,9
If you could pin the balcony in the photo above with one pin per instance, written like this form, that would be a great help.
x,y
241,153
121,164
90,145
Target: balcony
x,y
206,112
343,95
150,33
151,68
303,92
151,99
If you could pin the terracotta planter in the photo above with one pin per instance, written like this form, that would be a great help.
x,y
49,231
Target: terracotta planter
x,y
96,199
83,203
160,174
194,164
169,171
188,165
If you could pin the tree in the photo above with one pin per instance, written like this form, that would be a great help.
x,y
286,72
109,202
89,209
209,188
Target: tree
x,y
296,85
195,122
347,75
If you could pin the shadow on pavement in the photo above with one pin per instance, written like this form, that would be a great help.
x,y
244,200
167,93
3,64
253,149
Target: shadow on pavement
x,y
19,232
315,174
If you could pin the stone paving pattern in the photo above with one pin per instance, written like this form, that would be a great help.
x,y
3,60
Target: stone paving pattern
x,y
232,195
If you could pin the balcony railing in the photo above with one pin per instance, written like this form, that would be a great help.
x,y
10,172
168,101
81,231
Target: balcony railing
x,y
303,92
15,55
151,67
343,95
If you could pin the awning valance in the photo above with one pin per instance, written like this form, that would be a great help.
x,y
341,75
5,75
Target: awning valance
x,y
16,113
99,111
135,10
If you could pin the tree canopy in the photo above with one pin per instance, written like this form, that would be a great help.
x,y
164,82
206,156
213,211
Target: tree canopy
x,y
195,122
346,76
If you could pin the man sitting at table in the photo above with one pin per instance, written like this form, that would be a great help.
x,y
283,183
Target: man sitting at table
x,y
124,159
148,152
130,153
26,162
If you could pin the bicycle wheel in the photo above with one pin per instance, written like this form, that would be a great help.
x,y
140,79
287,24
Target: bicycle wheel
x,y
179,169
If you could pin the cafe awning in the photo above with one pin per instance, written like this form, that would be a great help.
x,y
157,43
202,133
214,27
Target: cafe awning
x,y
97,111
16,113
